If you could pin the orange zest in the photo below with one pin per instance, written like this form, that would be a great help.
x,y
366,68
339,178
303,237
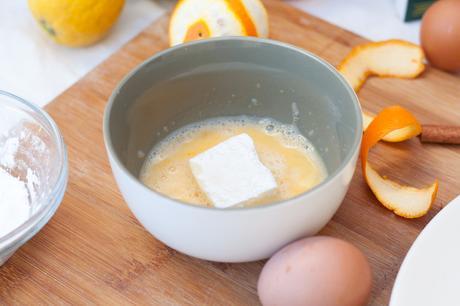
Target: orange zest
x,y
238,8
405,201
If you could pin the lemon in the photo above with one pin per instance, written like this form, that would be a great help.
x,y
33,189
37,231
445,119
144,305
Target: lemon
x,y
198,19
76,23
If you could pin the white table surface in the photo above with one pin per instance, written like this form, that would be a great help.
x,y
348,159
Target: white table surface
x,y
35,68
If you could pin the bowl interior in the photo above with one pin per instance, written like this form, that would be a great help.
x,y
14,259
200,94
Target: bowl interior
x,y
228,77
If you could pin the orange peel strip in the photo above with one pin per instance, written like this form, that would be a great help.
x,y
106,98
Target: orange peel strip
x,y
389,58
405,201
394,136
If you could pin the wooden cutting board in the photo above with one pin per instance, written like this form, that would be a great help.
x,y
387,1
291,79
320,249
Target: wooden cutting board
x,y
95,251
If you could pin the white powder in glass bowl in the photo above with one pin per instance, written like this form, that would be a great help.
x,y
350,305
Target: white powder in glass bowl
x,y
33,172
14,202
22,155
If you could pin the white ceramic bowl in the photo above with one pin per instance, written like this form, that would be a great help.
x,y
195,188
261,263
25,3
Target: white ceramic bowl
x,y
220,77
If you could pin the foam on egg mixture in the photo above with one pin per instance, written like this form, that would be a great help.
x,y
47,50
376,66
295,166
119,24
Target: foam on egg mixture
x,y
292,159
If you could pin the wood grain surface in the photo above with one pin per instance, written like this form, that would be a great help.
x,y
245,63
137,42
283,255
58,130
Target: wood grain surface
x,y
95,251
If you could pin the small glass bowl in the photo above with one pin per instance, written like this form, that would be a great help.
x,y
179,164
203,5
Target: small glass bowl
x,y
38,157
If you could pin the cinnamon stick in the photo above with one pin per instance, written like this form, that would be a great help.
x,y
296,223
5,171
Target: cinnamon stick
x,y
440,134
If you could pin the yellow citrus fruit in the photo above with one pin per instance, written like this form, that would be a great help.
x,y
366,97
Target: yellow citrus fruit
x,y
76,23
197,19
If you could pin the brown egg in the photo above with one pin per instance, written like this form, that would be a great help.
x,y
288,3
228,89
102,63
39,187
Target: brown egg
x,y
440,34
317,271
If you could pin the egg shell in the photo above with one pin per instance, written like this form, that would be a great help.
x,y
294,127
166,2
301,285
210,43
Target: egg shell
x,y
440,34
317,271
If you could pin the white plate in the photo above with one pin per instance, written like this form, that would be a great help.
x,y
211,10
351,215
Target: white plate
x,y
430,273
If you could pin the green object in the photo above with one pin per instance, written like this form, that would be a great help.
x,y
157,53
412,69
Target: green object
x,y
47,27
416,9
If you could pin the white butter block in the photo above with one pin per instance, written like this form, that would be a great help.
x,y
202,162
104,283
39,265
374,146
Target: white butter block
x,y
231,173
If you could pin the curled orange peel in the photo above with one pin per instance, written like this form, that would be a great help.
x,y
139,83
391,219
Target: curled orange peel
x,y
394,136
405,201
389,58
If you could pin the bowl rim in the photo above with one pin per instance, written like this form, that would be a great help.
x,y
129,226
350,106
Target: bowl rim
x,y
29,228
264,41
